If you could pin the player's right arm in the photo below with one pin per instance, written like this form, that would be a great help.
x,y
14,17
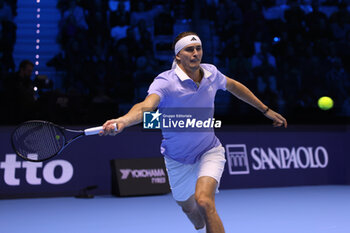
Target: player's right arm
x,y
133,117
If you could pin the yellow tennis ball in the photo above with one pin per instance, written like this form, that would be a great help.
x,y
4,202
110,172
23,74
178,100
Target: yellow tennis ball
x,y
325,103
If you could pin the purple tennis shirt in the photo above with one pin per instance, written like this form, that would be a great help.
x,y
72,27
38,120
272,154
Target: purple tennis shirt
x,y
177,90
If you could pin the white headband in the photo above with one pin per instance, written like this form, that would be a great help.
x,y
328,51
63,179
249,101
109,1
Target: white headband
x,y
183,42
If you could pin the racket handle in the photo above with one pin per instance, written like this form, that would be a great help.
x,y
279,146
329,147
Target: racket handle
x,y
96,130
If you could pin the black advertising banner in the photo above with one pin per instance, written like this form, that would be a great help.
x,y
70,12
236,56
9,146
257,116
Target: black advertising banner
x,y
144,176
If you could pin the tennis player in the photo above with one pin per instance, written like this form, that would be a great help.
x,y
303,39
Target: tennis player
x,y
195,163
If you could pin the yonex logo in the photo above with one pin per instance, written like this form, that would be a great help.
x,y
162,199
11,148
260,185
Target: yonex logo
x,y
151,120
193,38
237,159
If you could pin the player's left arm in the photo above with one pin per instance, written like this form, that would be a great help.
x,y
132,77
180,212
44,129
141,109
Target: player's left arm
x,y
243,93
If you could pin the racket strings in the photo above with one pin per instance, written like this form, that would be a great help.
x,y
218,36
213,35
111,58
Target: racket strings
x,y
38,140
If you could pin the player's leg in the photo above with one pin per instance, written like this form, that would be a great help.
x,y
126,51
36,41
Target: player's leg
x,y
191,209
205,198
211,167
182,179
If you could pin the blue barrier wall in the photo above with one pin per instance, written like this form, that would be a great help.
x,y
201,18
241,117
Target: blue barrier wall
x,y
257,156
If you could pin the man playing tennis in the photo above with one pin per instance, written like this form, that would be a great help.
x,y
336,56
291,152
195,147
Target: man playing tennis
x,y
194,164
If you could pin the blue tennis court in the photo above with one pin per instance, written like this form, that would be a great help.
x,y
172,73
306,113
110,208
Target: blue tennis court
x,y
319,209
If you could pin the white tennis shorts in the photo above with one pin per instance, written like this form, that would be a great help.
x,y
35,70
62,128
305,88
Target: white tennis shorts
x,y
183,177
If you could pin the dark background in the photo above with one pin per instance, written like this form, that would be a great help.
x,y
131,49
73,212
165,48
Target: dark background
x,y
288,52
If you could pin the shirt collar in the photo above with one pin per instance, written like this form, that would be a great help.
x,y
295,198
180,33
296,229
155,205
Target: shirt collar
x,y
183,76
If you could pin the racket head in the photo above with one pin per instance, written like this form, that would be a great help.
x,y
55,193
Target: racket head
x,y
37,141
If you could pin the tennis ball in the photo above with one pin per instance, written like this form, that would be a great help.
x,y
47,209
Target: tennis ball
x,y
325,103
58,137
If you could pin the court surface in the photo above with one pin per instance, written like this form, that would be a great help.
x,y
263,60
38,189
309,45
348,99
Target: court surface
x,y
310,209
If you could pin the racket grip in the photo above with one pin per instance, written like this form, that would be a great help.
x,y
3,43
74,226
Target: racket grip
x,y
96,130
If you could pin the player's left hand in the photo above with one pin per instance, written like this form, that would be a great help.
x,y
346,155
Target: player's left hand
x,y
277,119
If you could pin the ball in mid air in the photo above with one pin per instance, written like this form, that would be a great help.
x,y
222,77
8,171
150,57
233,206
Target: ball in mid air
x,y
325,103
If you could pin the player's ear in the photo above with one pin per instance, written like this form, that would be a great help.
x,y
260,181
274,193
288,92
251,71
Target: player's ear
x,y
177,57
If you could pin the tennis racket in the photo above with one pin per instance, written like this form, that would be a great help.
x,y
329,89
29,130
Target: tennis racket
x,y
37,141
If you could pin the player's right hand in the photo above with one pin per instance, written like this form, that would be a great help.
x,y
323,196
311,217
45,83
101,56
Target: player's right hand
x,y
109,128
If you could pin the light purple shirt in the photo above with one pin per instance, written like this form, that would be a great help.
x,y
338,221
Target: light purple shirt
x,y
177,90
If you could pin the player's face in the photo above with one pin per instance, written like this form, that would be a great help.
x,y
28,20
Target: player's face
x,y
190,57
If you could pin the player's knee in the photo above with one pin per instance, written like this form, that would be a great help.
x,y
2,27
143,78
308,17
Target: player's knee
x,y
205,203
